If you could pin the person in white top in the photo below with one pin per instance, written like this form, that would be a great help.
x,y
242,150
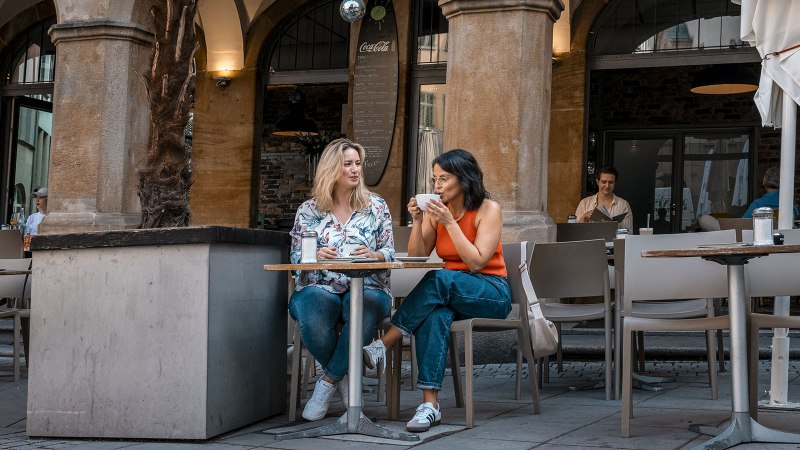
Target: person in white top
x,y
605,200
32,225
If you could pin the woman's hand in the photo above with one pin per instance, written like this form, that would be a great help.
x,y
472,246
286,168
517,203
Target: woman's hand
x,y
439,212
366,253
414,209
326,253
585,217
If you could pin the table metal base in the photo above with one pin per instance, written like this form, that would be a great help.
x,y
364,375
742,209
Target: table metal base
x,y
364,427
742,429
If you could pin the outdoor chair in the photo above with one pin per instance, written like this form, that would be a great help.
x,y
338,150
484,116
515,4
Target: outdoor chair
x,y
10,244
736,223
681,309
567,232
401,283
768,277
298,382
512,254
575,269
661,294
13,288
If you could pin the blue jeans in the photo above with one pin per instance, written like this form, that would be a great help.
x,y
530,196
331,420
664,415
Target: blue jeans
x,y
317,312
441,297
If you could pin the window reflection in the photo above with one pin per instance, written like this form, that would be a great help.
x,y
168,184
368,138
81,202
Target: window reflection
x,y
668,25
430,139
431,33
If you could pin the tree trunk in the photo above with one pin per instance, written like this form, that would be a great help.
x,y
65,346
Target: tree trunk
x,y
165,175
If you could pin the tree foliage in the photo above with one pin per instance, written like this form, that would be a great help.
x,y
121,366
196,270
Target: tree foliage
x,y
165,174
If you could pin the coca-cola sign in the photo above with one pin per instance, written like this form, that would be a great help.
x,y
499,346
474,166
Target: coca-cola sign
x,y
375,87
380,46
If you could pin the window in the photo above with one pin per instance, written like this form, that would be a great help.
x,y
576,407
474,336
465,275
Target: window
x,y
314,38
431,29
668,25
31,58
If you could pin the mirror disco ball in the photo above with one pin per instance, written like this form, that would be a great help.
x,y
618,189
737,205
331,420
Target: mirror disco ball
x,y
352,10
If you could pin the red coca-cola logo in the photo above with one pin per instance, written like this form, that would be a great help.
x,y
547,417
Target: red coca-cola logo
x,y
380,46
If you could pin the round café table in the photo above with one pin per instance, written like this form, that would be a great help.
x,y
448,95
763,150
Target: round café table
x,y
742,428
353,421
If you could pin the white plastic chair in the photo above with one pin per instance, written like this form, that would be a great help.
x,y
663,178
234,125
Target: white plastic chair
x,y
575,269
768,277
660,282
13,287
512,256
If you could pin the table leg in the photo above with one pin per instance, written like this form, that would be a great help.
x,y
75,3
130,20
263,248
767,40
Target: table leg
x,y
742,427
353,421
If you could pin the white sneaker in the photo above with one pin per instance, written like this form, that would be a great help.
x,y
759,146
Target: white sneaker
x,y
343,386
317,406
374,354
427,416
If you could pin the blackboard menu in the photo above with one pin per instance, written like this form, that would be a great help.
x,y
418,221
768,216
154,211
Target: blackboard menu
x,y
375,87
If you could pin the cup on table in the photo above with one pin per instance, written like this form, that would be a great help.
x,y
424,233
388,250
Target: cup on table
x,y
645,231
423,199
347,249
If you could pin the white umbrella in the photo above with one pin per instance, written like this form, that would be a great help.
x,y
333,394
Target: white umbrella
x,y
771,27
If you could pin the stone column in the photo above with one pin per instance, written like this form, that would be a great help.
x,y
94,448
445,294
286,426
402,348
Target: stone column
x,y
498,102
100,125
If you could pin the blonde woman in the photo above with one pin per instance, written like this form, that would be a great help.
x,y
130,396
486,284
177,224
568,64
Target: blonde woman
x,y
349,220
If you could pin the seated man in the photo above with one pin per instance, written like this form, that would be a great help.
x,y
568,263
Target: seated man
x,y
771,183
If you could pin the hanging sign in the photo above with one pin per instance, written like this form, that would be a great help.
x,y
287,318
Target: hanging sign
x,y
375,87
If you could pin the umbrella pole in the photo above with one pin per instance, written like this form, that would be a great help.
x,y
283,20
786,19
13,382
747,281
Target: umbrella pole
x,y
779,383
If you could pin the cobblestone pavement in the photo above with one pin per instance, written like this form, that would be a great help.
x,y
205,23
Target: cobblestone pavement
x,y
569,419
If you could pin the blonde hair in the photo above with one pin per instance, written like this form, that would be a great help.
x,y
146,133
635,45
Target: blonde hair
x,y
328,171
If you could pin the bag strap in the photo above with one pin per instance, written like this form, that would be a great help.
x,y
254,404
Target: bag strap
x,y
530,294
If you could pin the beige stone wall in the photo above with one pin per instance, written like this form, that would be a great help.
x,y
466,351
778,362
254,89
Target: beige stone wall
x,y
223,150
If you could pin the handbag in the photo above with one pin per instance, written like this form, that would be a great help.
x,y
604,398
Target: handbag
x,y
544,334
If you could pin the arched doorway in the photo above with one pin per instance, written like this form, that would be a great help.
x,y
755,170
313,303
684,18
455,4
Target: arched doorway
x,y
680,154
305,79
26,105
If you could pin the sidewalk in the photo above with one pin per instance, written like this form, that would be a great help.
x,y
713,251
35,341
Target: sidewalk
x,y
569,420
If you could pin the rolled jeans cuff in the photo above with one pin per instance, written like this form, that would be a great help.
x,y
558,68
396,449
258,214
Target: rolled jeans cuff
x,y
403,330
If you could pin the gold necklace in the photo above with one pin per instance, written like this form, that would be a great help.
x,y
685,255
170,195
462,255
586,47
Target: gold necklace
x,y
461,216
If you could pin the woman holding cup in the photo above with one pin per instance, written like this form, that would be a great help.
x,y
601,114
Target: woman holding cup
x,y
465,228
349,221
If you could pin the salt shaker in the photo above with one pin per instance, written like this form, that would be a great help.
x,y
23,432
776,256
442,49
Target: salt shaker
x,y
572,219
308,247
762,226
622,233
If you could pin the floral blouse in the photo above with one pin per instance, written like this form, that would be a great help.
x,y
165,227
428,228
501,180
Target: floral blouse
x,y
371,227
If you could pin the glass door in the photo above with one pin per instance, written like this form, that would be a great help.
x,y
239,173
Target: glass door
x,y
716,175
645,166
30,153
678,176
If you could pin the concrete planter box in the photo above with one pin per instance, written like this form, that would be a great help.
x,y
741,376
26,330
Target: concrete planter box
x,y
156,334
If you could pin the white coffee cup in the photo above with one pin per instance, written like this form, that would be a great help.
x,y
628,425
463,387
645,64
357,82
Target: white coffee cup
x,y
645,231
423,199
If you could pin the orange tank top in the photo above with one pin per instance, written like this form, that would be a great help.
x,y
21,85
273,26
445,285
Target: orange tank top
x,y
447,251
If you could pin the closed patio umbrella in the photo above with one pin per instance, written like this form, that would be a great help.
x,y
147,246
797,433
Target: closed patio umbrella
x,y
772,27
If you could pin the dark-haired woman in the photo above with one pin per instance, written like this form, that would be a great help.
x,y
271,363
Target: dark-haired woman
x,y
465,228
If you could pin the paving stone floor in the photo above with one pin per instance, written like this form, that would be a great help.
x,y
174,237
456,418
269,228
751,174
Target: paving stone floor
x,y
569,419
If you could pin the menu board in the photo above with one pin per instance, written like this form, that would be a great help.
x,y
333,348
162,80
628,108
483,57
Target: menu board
x,y
375,87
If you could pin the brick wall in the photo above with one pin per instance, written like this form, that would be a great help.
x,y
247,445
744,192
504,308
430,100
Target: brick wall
x,y
284,179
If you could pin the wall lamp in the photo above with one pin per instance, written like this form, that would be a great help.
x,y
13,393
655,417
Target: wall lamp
x,y
222,82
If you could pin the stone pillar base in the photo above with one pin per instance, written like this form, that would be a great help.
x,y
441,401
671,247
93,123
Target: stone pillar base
x,y
532,226
58,222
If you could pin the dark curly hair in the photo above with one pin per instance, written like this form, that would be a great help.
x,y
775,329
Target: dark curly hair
x,y
463,165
